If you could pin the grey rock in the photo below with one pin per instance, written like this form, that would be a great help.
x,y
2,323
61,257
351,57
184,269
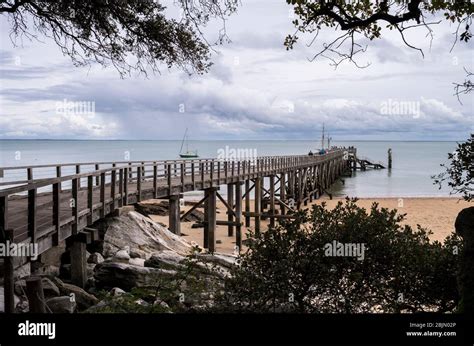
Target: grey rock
x,y
90,269
165,260
64,304
116,291
135,254
141,302
83,299
163,304
122,256
127,276
137,262
95,258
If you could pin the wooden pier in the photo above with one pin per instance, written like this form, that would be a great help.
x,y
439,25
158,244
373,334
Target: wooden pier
x,y
47,210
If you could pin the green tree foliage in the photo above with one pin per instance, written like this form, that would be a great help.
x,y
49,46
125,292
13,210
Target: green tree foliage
x,y
287,268
459,173
131,35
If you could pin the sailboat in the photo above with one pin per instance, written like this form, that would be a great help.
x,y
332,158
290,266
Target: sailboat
x,y
188,154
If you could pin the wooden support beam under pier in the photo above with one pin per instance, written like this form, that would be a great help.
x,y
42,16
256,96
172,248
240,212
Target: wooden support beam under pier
x,y
210,219
230,212
174,214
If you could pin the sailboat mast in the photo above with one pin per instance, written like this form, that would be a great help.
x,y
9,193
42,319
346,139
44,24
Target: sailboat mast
x,y
182,142
322,139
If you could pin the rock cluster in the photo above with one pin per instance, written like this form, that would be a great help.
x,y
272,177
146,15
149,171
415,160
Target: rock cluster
x,y
135,253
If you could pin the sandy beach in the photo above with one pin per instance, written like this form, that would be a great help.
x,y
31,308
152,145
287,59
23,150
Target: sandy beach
x,y
436,214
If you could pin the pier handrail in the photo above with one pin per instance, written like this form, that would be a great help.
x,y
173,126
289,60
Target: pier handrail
x,y
39,183
51,209
130,164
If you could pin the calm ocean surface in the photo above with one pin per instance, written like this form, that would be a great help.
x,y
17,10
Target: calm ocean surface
x,y
413,162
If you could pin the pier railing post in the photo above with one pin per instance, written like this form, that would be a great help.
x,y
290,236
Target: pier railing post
x,y
90,199
121,187
272,200
257,202
182,174
58,175
169,182
155,179
8,268
75,206
230,212
102,194
113,182
238,215
247,202
32,209
139,184
282,193
125,186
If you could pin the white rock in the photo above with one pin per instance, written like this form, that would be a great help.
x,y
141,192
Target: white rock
x,y
142,235
122,256
116,291
137,262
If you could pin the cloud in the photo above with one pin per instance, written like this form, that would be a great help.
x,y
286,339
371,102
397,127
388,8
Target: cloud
x,y
255,90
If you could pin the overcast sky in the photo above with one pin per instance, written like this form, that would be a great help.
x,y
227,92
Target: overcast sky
x,y
255,89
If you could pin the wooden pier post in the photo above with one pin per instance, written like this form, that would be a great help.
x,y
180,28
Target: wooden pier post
x,y
272,201
282,193
230,213
35,294
210,219
9,277
389,158
300,189
257,202
78,262
247,203
174,214
238,215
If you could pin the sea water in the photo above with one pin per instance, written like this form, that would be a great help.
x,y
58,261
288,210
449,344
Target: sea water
x,y
414,163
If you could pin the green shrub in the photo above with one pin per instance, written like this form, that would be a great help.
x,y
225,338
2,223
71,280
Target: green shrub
x,y
287,268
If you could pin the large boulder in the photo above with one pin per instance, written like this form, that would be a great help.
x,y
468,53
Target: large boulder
x,y
127,276
141,235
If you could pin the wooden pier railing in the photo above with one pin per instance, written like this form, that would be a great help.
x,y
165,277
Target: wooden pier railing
x,y
48,209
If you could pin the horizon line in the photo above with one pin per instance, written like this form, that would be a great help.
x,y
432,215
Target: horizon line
x,y
228,140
